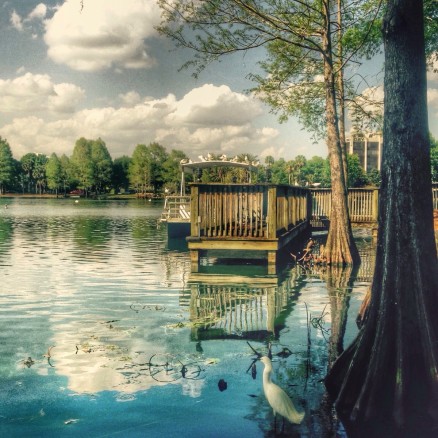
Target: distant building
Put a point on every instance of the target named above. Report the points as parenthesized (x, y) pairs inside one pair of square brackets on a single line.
[(368, 147)]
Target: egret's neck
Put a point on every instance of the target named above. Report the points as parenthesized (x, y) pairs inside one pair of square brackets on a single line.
[(267, 373)]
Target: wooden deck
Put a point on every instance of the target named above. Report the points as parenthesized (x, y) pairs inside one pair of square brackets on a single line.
[(255, 221), (246, 220)]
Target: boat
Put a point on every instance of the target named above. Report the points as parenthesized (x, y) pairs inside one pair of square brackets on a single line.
[(176, 212), (176, 215)]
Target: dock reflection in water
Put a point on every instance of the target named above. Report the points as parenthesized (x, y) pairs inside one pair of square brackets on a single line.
[(237, 306), (139, 342)]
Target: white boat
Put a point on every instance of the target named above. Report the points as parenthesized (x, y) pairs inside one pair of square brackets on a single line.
[(176, 213)]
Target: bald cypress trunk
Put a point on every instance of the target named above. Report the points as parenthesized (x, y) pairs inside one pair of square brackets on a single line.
[(386, 382), (340, 248)]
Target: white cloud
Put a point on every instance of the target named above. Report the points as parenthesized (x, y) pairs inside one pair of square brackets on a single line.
[(216, 106), (272, 151), (166, 120), (130, 99), (66, 98), (31, 93), (103, 35), (16, 21), (38, 13)]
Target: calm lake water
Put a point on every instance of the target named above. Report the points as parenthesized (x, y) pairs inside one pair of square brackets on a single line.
[(105, 332)]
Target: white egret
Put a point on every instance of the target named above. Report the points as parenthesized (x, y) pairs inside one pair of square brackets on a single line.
[(277, 398)]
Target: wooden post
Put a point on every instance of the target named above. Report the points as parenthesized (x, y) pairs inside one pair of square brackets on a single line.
[(194, 260), (272, 262), (194, 212), (376, 205), (272, 212)]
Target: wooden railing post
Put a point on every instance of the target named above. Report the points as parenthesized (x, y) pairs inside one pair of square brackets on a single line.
[(375, 205), (309, 205), (194, 211), (272, 213)]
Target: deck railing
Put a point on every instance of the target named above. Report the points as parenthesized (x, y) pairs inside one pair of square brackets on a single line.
[(362, 204), (246, 211), (176, 208)]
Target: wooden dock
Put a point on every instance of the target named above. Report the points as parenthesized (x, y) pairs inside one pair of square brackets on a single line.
[(246, 220), (256, 221)]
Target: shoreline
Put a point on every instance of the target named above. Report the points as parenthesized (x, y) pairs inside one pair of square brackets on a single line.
[(51, 196)]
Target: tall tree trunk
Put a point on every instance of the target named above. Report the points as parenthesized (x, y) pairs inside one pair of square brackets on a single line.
[(340, 247), (341, 91), (388, 378)]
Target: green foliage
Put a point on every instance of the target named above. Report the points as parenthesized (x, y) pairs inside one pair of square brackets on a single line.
[(294, 35), (356, 174), (6, 164), (54, 173), (120, 173), (157, 157), (316, 171), (374, 178), (28, 164), (172, 171), (39, 172), (82, 165), (434, 158), (66, 172), (140, 169), (431, 29), (102, 165), (151, 168), (58, 172)]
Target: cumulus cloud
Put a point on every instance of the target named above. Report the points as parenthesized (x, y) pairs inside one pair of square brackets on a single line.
[(36, 93), (16, 21), (166, 120), (103, 35), (215, 106), (38, 13), (66, 98), (131, 98)]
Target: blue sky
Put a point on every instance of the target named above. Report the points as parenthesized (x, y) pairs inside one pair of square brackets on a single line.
[(104, 72)]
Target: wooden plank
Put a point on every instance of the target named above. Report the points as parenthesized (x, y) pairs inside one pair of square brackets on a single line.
[(272, 212), (194, 212)]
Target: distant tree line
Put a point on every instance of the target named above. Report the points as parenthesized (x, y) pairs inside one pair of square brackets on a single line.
[(151, 169)]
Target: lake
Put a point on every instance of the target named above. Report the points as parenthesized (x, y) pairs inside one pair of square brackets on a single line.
[(106, 332)]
